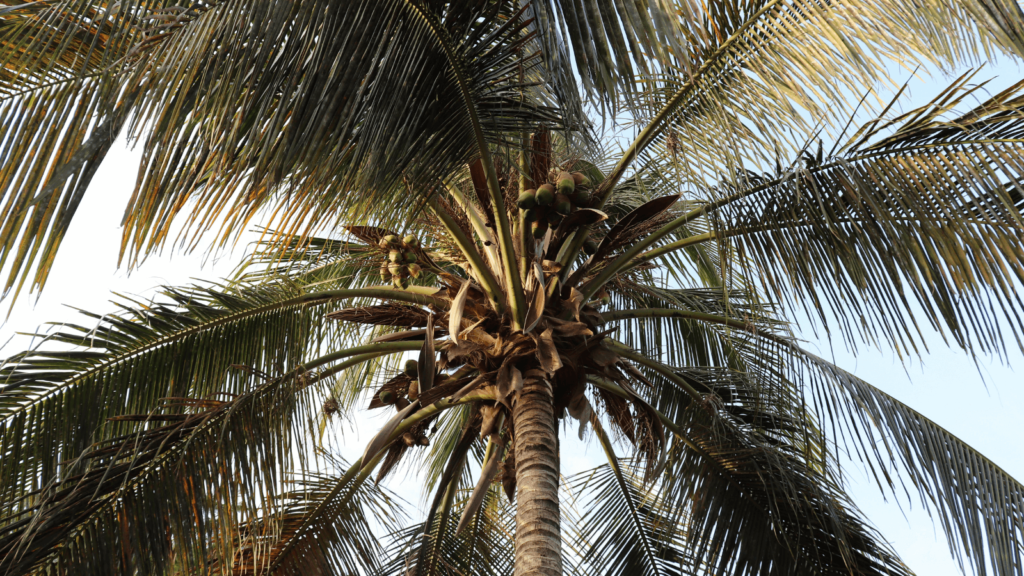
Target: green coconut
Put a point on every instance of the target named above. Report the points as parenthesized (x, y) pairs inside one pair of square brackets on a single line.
[(580, 179), (566, 183), (411, 241), (410, 257), (528, 199), (581, 198), (386, 396), (545, 194), (414, 270), (562, 204), (412, 368), (530, 215), (589, 246)]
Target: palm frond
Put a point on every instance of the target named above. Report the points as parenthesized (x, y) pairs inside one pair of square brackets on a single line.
[(649, 543), (762, 77), (227, 95), (162, 486), (487, 548), (372, 509), (979, 505), (196, 342), (919, 212)]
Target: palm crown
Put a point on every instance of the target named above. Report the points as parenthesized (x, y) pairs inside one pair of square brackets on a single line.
[(527, 279)]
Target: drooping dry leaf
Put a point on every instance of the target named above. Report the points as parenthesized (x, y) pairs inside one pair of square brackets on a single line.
[(456, 311), (547, 353)]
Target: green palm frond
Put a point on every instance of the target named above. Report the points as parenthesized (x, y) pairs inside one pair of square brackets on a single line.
[(922, 210), (226, 93), (485, 548), (759, 66), (979, 505), (649, 543), (371, 509), (198, 341)]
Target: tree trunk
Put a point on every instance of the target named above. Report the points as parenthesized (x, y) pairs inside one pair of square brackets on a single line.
[(538, 538)]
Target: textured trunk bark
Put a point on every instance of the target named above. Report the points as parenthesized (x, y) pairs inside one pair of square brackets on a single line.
[(538, 538)]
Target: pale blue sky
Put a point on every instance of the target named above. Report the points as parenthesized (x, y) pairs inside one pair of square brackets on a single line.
[(945, 385)]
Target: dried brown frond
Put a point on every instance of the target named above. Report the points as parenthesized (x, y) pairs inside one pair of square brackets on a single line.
[(383, 315)]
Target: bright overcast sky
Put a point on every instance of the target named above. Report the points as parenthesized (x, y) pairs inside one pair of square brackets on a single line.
[(983, 406)]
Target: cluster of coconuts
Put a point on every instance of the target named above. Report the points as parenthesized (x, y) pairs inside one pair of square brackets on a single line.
[(400, 264), (549, 203)]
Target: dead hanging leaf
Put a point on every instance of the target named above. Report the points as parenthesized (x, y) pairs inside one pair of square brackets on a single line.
[(473, 385), (508, 474), (464, 348), (582, 217), (632, 370), (456, 311), (490, 413), (635, 218), (393, 457), (427, 358), (570, 329), (547, 353), (580, 409), (574, 302), (381, 439), (536, 311), (483, 483), (509, 381), (481, 337)]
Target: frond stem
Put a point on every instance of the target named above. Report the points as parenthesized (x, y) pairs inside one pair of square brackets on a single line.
[(516, 297), (468, 248)]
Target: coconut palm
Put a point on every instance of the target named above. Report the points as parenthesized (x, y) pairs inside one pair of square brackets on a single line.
[(436, 195)]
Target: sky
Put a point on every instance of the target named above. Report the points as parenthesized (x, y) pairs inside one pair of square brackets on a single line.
[(981, 403)]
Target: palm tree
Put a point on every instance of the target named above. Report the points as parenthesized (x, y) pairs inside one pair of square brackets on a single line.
[(441, 148)]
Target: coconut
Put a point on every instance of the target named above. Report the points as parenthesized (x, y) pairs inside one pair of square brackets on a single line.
[(414, 270), (395, 256), (410, 257), (562, 204), (395, 268), (411, 241), (391, 240), (566, 183), (423, 441), (412, 368), (581, 198), (409, 439), (589, 246), (386, 396), (580, 179), (545, 194), (539, 227), (530, 215), (527, 199)]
